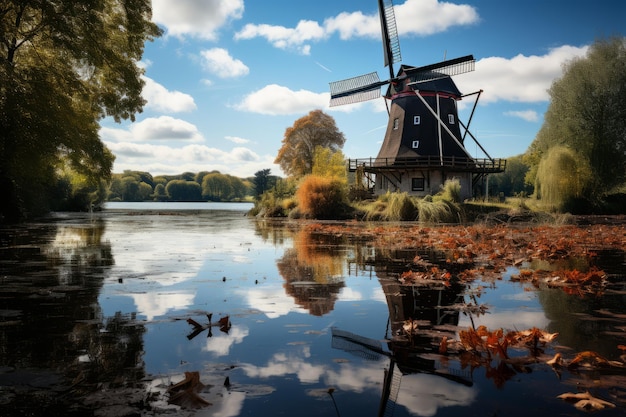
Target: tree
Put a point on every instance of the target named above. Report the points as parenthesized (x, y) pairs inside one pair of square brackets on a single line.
[(587, 114), (263, 181), (327, 163), (182, 190), (562, 179), (296, 154), (64, 65), (512, 181)]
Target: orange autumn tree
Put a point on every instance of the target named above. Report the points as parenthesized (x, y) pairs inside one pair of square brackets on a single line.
[(317, 129)]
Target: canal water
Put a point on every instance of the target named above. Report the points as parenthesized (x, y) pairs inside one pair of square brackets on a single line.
[(104, 313)]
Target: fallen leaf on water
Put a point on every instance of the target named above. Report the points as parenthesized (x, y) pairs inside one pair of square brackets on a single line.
[(586, 401), (185, 392), (556, 361)]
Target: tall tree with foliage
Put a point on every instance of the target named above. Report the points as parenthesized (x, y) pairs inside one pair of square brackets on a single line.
[(296, 154), (587, 114), (64, 65)]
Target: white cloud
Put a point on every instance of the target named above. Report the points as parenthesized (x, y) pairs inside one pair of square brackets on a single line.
[(354, 25), (519, 79), (285, 38), (164, 159), (528, 115), (155, 128), (426, 17), (414, 17), (275, 99), (197, 18), (237, 140), (162, 100), (219, 62)]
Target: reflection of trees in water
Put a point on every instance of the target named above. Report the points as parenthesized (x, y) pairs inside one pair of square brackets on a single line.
[(111, 353), (314, 271), (274, 231), (579, 320), (51, 320)]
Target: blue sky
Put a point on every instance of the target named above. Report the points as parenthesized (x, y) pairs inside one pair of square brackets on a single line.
[(229, 76)]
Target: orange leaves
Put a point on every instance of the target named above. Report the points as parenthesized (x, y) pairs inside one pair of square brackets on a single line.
[(497, 342), (433, 275), (586, 401)]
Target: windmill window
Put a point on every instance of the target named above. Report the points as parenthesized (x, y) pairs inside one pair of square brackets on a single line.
[(451, 119), (396, 123), (416, 120), (416, 144), (417, 184)]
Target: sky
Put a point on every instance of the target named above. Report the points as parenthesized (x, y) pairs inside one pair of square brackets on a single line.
[(228, 77)]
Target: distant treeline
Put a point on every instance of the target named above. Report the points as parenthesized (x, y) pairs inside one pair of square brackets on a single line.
[(188, 186)]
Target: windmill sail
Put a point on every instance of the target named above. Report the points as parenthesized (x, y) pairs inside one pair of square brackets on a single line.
[(356, 89), (391, 43), (441, 69)]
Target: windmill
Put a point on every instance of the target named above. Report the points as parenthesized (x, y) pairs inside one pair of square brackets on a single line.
[(423, 145)]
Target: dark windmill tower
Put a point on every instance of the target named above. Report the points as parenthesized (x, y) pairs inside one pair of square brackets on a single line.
[(424, 143)]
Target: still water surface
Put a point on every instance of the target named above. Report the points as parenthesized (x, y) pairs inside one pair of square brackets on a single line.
[(291, 324)]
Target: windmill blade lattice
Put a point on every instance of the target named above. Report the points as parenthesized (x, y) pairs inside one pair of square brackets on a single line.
[(442, 69), (356, 89), (391, 43)]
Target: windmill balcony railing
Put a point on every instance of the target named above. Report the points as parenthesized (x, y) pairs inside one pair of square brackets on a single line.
[(485, 165)]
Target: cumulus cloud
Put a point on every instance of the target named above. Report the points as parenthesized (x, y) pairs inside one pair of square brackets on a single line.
[(519, 79), (162, 100), (219, 62), (237, 140), (161, 158), (275, 99), (197, 18), (414, 17), (285, 38), (154, 128), (426, 17), (528, 115)]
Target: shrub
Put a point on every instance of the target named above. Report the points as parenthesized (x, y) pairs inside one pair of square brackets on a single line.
[(401, 207), (321, 197)]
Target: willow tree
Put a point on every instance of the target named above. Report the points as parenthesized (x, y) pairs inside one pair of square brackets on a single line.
[(563, 178), (297, 152), (64, 65), (587, 114)]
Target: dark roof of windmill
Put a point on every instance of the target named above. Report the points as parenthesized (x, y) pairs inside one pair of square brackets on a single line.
[(434, 81)]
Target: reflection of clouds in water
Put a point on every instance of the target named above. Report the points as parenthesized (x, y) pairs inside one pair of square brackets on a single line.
[(230, 406), (170, 255), (349, 294), (152, 305), (366, 376), (424, 394), (421, 394), (508, 319), (282, 364), (220, 343), (271, 301), (348, 377)]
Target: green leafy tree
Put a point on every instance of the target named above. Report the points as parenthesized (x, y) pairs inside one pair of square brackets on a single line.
[(182, 190), (327, 163), (64, 65), (159, 192), (296, 154), (263, 181), (512, 181), (563, 178), (587, 114)]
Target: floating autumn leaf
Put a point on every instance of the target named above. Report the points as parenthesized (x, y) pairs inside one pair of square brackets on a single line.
[(592, 359), (556, 361), (185, 392), (586, 401)]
